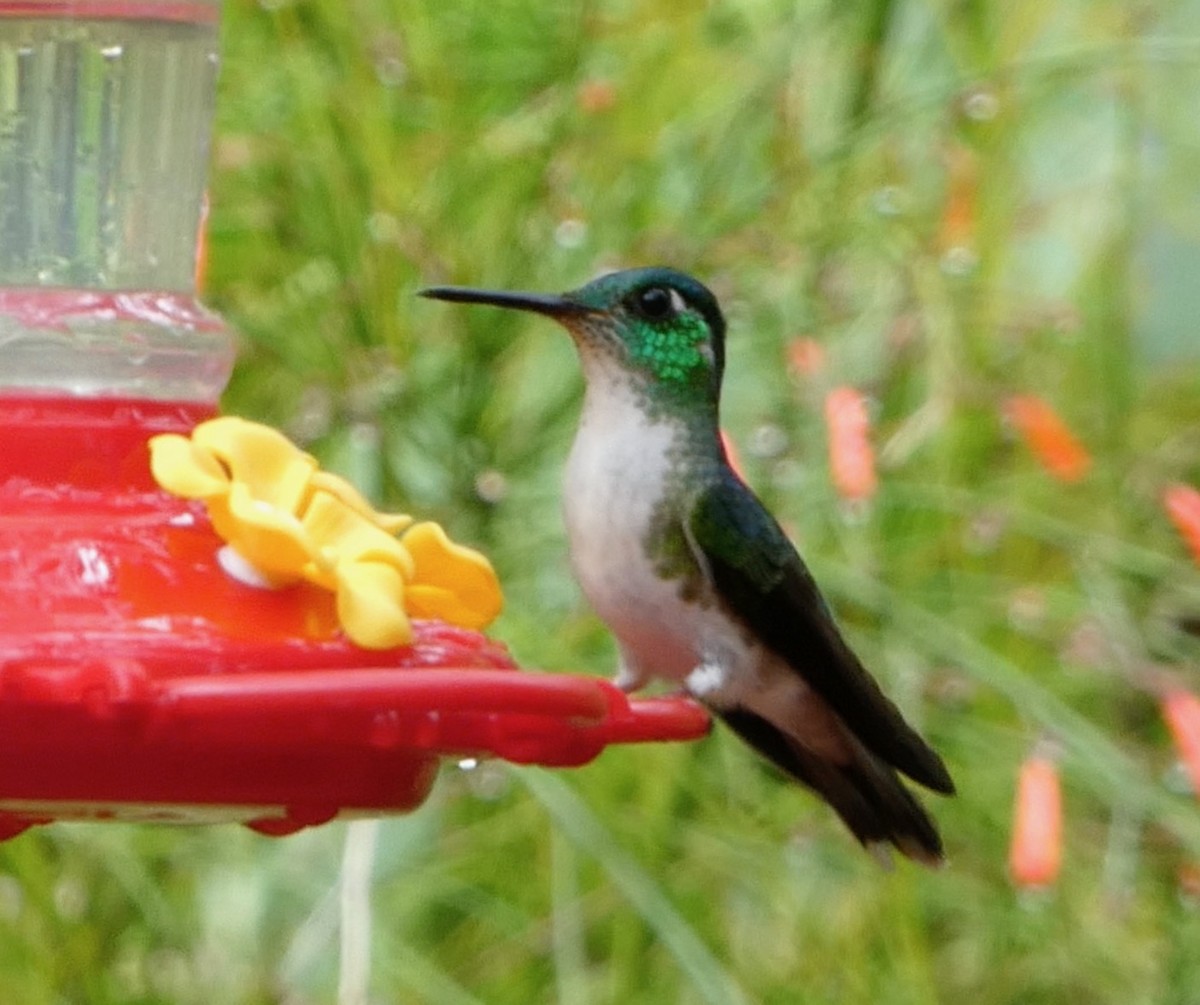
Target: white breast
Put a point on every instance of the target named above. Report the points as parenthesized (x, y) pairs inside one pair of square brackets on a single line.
[(615, 478)]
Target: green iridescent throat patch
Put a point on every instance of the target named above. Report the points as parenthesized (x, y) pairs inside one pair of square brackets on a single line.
[(672, 353)]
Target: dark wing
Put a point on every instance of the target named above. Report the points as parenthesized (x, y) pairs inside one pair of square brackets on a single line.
[(865, 792), (766, 585)]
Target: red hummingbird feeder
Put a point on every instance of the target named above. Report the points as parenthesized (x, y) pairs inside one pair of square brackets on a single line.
[(139, 680)]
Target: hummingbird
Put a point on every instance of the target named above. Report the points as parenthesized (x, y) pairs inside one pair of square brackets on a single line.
[(695, 579)]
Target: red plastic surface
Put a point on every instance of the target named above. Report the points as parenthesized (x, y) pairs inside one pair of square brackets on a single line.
[(138, 681)]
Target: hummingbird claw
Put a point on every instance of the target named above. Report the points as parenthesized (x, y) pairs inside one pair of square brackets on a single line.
[(707, 682)]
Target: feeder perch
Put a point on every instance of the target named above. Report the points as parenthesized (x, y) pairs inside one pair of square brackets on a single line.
[(138, 680)]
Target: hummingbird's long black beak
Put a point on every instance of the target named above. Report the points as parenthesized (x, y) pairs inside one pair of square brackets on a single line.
[(540, 303)]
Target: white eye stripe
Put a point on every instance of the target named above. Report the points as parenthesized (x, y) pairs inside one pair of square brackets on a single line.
[(678, 304)]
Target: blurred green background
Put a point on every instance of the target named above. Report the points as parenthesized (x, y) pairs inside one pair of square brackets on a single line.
[(960, 201)]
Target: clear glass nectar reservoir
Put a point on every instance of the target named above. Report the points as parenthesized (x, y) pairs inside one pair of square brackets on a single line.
[(105, 124)]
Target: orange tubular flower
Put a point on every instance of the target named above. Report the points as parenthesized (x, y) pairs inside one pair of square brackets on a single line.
[(1183, 507), (1054, 445), (851, 458), (1181, 710), (1035, 855), (957, 228)]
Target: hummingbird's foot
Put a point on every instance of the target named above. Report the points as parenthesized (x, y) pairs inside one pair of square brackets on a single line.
[(709, 683)]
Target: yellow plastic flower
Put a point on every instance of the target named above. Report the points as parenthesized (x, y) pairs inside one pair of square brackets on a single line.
[(285, 520)]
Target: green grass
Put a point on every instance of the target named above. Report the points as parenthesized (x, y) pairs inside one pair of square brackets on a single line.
[(799, 159)]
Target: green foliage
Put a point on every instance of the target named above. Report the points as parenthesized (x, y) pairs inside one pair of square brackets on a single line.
[(959, 202)]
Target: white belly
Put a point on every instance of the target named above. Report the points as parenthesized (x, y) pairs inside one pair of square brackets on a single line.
[(615, 479)]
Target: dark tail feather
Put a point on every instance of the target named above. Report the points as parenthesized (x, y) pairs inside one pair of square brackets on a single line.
[(865, 793)]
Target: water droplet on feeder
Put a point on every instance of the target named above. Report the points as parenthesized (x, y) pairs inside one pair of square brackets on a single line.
[(93, 567)]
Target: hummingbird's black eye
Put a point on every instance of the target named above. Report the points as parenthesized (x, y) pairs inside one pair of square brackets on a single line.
[(654, 303)]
